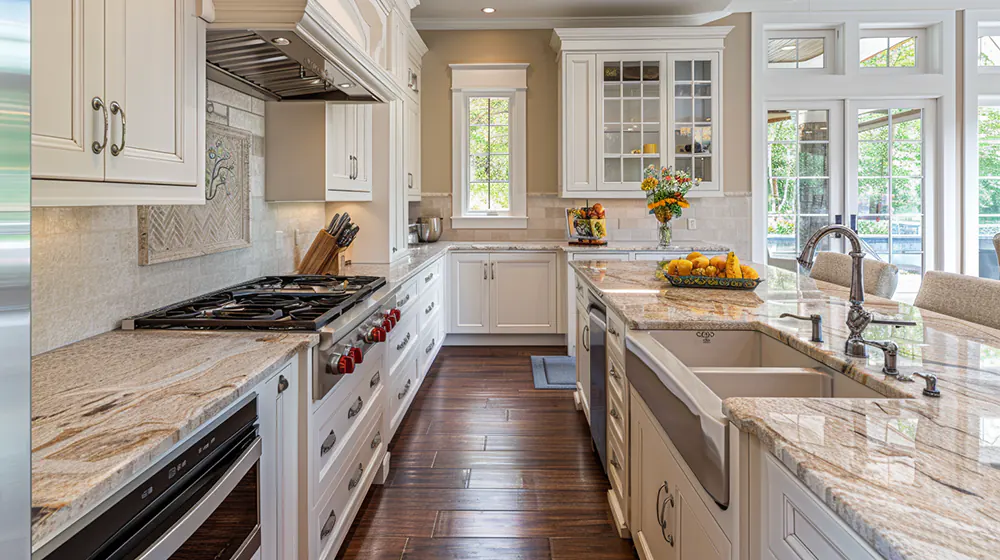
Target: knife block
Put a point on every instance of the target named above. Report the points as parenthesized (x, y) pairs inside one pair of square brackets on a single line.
[(321, 258)]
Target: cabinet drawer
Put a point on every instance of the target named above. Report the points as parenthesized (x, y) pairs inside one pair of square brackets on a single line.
[(430, 302), (434, 334), (331, 518), (332, 433), (616, 336), (404, 386), (617, 418), (402, 337), (430, 275), (616, 379), (800, 526), (617, 471), (406, 297), (581, 290)]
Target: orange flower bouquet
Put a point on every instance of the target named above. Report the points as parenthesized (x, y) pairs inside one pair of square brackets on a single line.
[(666, 191)]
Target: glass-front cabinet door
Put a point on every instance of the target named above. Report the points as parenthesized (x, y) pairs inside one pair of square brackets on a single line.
[(630, 117), (694, 117)]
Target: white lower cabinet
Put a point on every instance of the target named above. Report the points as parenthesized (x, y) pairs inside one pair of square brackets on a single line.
[(514, 292), (583, 357), (277, 411), (669, 520)]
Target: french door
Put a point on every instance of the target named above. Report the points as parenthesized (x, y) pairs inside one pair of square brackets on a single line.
[(890, 160)]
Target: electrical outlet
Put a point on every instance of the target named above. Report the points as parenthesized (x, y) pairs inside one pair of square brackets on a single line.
[(692, 223)]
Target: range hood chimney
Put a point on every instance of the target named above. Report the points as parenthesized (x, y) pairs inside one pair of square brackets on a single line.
[(290, 50)]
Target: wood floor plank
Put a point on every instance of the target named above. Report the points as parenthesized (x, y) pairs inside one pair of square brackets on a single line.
[(476, 549), (523, 524), (486, 466)]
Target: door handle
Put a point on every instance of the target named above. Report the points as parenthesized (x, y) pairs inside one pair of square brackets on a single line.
[(115, 109), (486, 271), (586, 335), (98, 104), (493, 271)]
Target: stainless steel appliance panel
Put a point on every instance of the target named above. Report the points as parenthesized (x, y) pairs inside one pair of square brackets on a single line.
[(598, 380)]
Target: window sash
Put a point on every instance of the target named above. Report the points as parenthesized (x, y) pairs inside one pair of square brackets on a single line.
[(489, 181)]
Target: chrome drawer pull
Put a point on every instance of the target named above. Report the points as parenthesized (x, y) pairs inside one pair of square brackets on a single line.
[(354, 410), (428, 278), (375, 379), (406, 389), (615, 463), (356, 478), (328, 443), (429, 308), (331, 522), (377, 440), (429, 347), (615, 415), (116, 149), (405, 300), (661, 511), (406, 340), (614, 373), (612, 330), (98, 104)]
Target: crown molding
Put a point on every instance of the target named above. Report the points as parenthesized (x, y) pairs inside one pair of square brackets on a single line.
[(611, 38), (481, 23)]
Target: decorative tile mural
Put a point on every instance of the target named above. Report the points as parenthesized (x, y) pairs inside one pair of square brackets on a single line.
[(170, 233)]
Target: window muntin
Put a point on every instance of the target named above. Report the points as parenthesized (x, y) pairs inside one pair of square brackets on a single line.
[(798, 150), (989, 188), (889, 212), (489, 154), (796, 52), (989, 50), (898, 51)]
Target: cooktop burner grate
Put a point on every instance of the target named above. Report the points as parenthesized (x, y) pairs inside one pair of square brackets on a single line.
[(304, 303)]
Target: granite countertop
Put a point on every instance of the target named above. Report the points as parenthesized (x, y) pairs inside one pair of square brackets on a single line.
[(106, 408), (915, 477)]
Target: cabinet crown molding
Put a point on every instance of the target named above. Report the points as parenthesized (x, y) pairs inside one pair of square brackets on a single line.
[(640, 38)]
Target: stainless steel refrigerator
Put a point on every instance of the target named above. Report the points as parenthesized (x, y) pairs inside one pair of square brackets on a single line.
[(15, 279)]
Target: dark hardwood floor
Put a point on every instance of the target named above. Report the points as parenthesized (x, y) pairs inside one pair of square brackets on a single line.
[(485, 466)]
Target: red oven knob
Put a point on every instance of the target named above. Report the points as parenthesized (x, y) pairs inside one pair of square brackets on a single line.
[(394, 313), (340, 364), (356, 354), (388, 324), (377, 334)]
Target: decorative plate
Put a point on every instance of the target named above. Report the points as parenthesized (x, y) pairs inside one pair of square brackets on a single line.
[(709, 282)]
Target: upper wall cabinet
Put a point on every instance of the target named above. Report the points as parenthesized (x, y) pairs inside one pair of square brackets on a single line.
[(118, 103), (631, 98), (406, 52)]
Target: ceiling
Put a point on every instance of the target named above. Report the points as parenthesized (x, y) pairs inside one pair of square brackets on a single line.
[(558, 10)]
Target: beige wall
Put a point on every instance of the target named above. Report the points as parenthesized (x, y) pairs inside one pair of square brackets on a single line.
[(453, 47), (532, 46)]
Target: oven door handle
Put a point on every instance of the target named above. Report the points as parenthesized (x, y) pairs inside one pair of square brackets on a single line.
[(176, 536)]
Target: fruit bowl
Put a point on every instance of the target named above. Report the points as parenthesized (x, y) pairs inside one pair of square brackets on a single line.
[(709, 282)]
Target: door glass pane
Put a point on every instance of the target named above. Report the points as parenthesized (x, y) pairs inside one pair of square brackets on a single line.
[(632, 119), (890, 189), (989, 50), (989, 189), (798, 178)]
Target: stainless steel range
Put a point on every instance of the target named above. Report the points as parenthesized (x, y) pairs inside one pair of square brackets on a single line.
[(351, 314)]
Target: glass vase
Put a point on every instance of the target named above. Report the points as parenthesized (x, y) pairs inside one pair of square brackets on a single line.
[(666, 234)]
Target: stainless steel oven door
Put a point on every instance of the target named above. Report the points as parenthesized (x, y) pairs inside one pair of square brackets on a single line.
[(224, 524)]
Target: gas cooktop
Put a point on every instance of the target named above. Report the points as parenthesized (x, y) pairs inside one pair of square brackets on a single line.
[(303, 303)]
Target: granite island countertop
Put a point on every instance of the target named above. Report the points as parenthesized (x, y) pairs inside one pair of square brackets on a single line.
[(106, 408), (915, 477)]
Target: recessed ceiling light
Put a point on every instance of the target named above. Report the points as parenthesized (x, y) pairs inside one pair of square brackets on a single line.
[(345, 85), (489, 10), (280, 41)]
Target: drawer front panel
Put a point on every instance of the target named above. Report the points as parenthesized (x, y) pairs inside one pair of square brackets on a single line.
[(331, 435), (617, 418), (434, 334), (331, 517), (617, 471), (616, 379), (402, 337), (406, 297), (616, 336), (429, 304), (430, 276), (581, 290)]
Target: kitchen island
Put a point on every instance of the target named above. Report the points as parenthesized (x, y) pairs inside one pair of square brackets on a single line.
[(911, 475)]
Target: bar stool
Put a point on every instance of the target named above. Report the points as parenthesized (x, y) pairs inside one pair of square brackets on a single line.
[(964, 297), (881, 278)]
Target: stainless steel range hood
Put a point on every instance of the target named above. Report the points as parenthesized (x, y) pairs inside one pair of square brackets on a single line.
[(290, 50)]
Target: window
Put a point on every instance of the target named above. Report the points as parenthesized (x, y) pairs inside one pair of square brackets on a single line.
[(805, 52), (489, 154), (989, 189), (989, 50), (798, 152), (898, 51), (489, 106)]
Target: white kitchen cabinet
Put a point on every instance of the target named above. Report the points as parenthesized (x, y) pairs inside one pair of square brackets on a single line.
[(669, 520), (411, 151), (469, 304), (118, 99), (631, 98), (583, 357), (523, 293), (318, 151), (514, 292), (278, 419)]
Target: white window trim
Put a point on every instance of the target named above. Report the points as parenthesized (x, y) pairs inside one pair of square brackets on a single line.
[(993, 29), (496, 80), (923, 50), (829, 37)]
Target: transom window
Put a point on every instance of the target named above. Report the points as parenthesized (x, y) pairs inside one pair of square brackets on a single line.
[(489, 154), (897, 51), (798, 52), (989, 50)]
